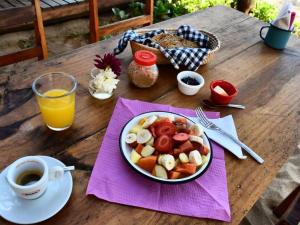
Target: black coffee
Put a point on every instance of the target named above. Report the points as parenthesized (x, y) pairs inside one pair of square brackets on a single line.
[(29, 177)]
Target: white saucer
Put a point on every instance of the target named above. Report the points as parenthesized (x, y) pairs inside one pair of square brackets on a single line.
[(22, 211)]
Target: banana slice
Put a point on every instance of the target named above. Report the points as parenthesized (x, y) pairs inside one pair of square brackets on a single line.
[(147, 151), (196, 130), (130, 138), (197, 139), (183, 158), (143, 136), (195, 157), (159, 158), (204, 159), (160, 172), (149, 121), (150, 142), (168, 161), (136, 129), (134, 156)]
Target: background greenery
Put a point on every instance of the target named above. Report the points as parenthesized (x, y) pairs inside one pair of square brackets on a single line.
[(166, 9)]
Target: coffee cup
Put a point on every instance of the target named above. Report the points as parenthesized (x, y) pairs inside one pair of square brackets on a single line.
[(29, 176), (276, 37)]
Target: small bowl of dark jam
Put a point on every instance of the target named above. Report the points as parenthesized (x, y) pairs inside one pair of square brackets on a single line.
[(189, 82)]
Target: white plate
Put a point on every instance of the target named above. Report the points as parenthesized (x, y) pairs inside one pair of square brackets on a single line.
[(23, 211), (126, 150)]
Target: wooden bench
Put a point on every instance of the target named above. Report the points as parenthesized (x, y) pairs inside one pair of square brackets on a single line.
[(24, 15), (97, 32), (54, 10)]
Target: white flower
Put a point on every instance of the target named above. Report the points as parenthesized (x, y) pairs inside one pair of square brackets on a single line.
[(105, 81)]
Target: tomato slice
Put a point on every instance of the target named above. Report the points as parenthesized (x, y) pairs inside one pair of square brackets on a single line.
[(165, 128), (163, 144), (181, 137)]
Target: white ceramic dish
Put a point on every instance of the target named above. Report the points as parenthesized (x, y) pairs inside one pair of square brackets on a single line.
[(189, 89), (24, 211), (126, 150)]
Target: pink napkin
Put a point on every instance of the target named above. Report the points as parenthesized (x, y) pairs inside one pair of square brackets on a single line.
[(113, 180)]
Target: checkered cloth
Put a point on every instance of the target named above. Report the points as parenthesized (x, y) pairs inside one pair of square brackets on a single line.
[(190, 57)]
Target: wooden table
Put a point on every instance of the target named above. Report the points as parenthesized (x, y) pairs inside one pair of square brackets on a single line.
[(268, 83)]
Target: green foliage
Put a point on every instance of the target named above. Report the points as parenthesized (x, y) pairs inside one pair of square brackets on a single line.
[(136, 8), (264, 11), (120, 14), (297, 28), (194, 5), (166, 9)]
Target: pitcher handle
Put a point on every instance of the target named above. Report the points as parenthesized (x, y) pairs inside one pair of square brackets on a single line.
[(260, 33)]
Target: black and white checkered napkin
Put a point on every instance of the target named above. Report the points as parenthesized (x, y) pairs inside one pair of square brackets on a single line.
[(190, 57)]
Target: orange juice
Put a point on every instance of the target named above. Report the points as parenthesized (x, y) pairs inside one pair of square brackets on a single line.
[(57, 113)]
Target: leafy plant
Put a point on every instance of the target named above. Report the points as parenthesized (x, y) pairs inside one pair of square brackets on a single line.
[(166, 9), (120, 14), (136, 8), (297, 28), (265, 11)]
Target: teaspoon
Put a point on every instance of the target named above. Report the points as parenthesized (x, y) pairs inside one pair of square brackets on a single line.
[(212, 105)]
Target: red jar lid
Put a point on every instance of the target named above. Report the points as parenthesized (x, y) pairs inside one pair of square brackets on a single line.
[(145, 58)]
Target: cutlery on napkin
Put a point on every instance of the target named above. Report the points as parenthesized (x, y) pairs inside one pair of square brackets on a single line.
[(225, 123), (285, 18)]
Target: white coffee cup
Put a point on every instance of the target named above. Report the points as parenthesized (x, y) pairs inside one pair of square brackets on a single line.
[(29, 163)]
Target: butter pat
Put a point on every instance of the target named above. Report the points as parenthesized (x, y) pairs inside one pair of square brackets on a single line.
[(220, 91)]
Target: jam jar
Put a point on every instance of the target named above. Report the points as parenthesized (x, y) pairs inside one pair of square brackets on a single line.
[(142, 71)]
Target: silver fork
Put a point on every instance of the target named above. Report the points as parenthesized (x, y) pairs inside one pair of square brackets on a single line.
[(210, 125)]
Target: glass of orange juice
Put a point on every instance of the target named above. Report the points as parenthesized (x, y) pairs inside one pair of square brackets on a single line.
[(55, 93)]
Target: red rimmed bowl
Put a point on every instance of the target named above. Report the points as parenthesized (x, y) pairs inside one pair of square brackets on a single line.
[(229, 88)]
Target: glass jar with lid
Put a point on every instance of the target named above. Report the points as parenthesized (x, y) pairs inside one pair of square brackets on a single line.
[(142, 71)]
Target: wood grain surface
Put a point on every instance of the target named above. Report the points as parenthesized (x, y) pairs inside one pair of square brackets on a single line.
[(268, 83)]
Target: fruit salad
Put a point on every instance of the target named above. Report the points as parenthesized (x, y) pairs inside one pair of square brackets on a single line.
[(167, 146)]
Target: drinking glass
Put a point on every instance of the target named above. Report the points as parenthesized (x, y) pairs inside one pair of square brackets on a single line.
[(55, 93)]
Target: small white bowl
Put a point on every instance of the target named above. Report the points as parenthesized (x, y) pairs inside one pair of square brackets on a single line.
[(189, 89)]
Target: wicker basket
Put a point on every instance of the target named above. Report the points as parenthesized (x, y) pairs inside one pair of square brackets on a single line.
[(213, 44)]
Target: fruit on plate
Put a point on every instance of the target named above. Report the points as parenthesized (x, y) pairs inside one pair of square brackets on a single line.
[(181, 137), (169, 116), (167, 161), (151, 141), (167, 146), (197, 139), (160, 172), (135, 129), (196, 130), (186, 146), (149, 121), (195, 157), (174, 175), (186, 168), (163, 144), (147, 163), (183, 158), (131, 140), (143, 136), (165, 128), (139, 148), (134, 156), (204, 150), (147, 151)]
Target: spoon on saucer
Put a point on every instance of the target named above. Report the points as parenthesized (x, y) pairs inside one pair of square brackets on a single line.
[(212, 105)]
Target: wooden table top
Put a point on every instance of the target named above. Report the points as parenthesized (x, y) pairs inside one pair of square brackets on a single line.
[(268, 83)]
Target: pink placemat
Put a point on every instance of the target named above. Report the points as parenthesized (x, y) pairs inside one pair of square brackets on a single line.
[(113, 180)]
